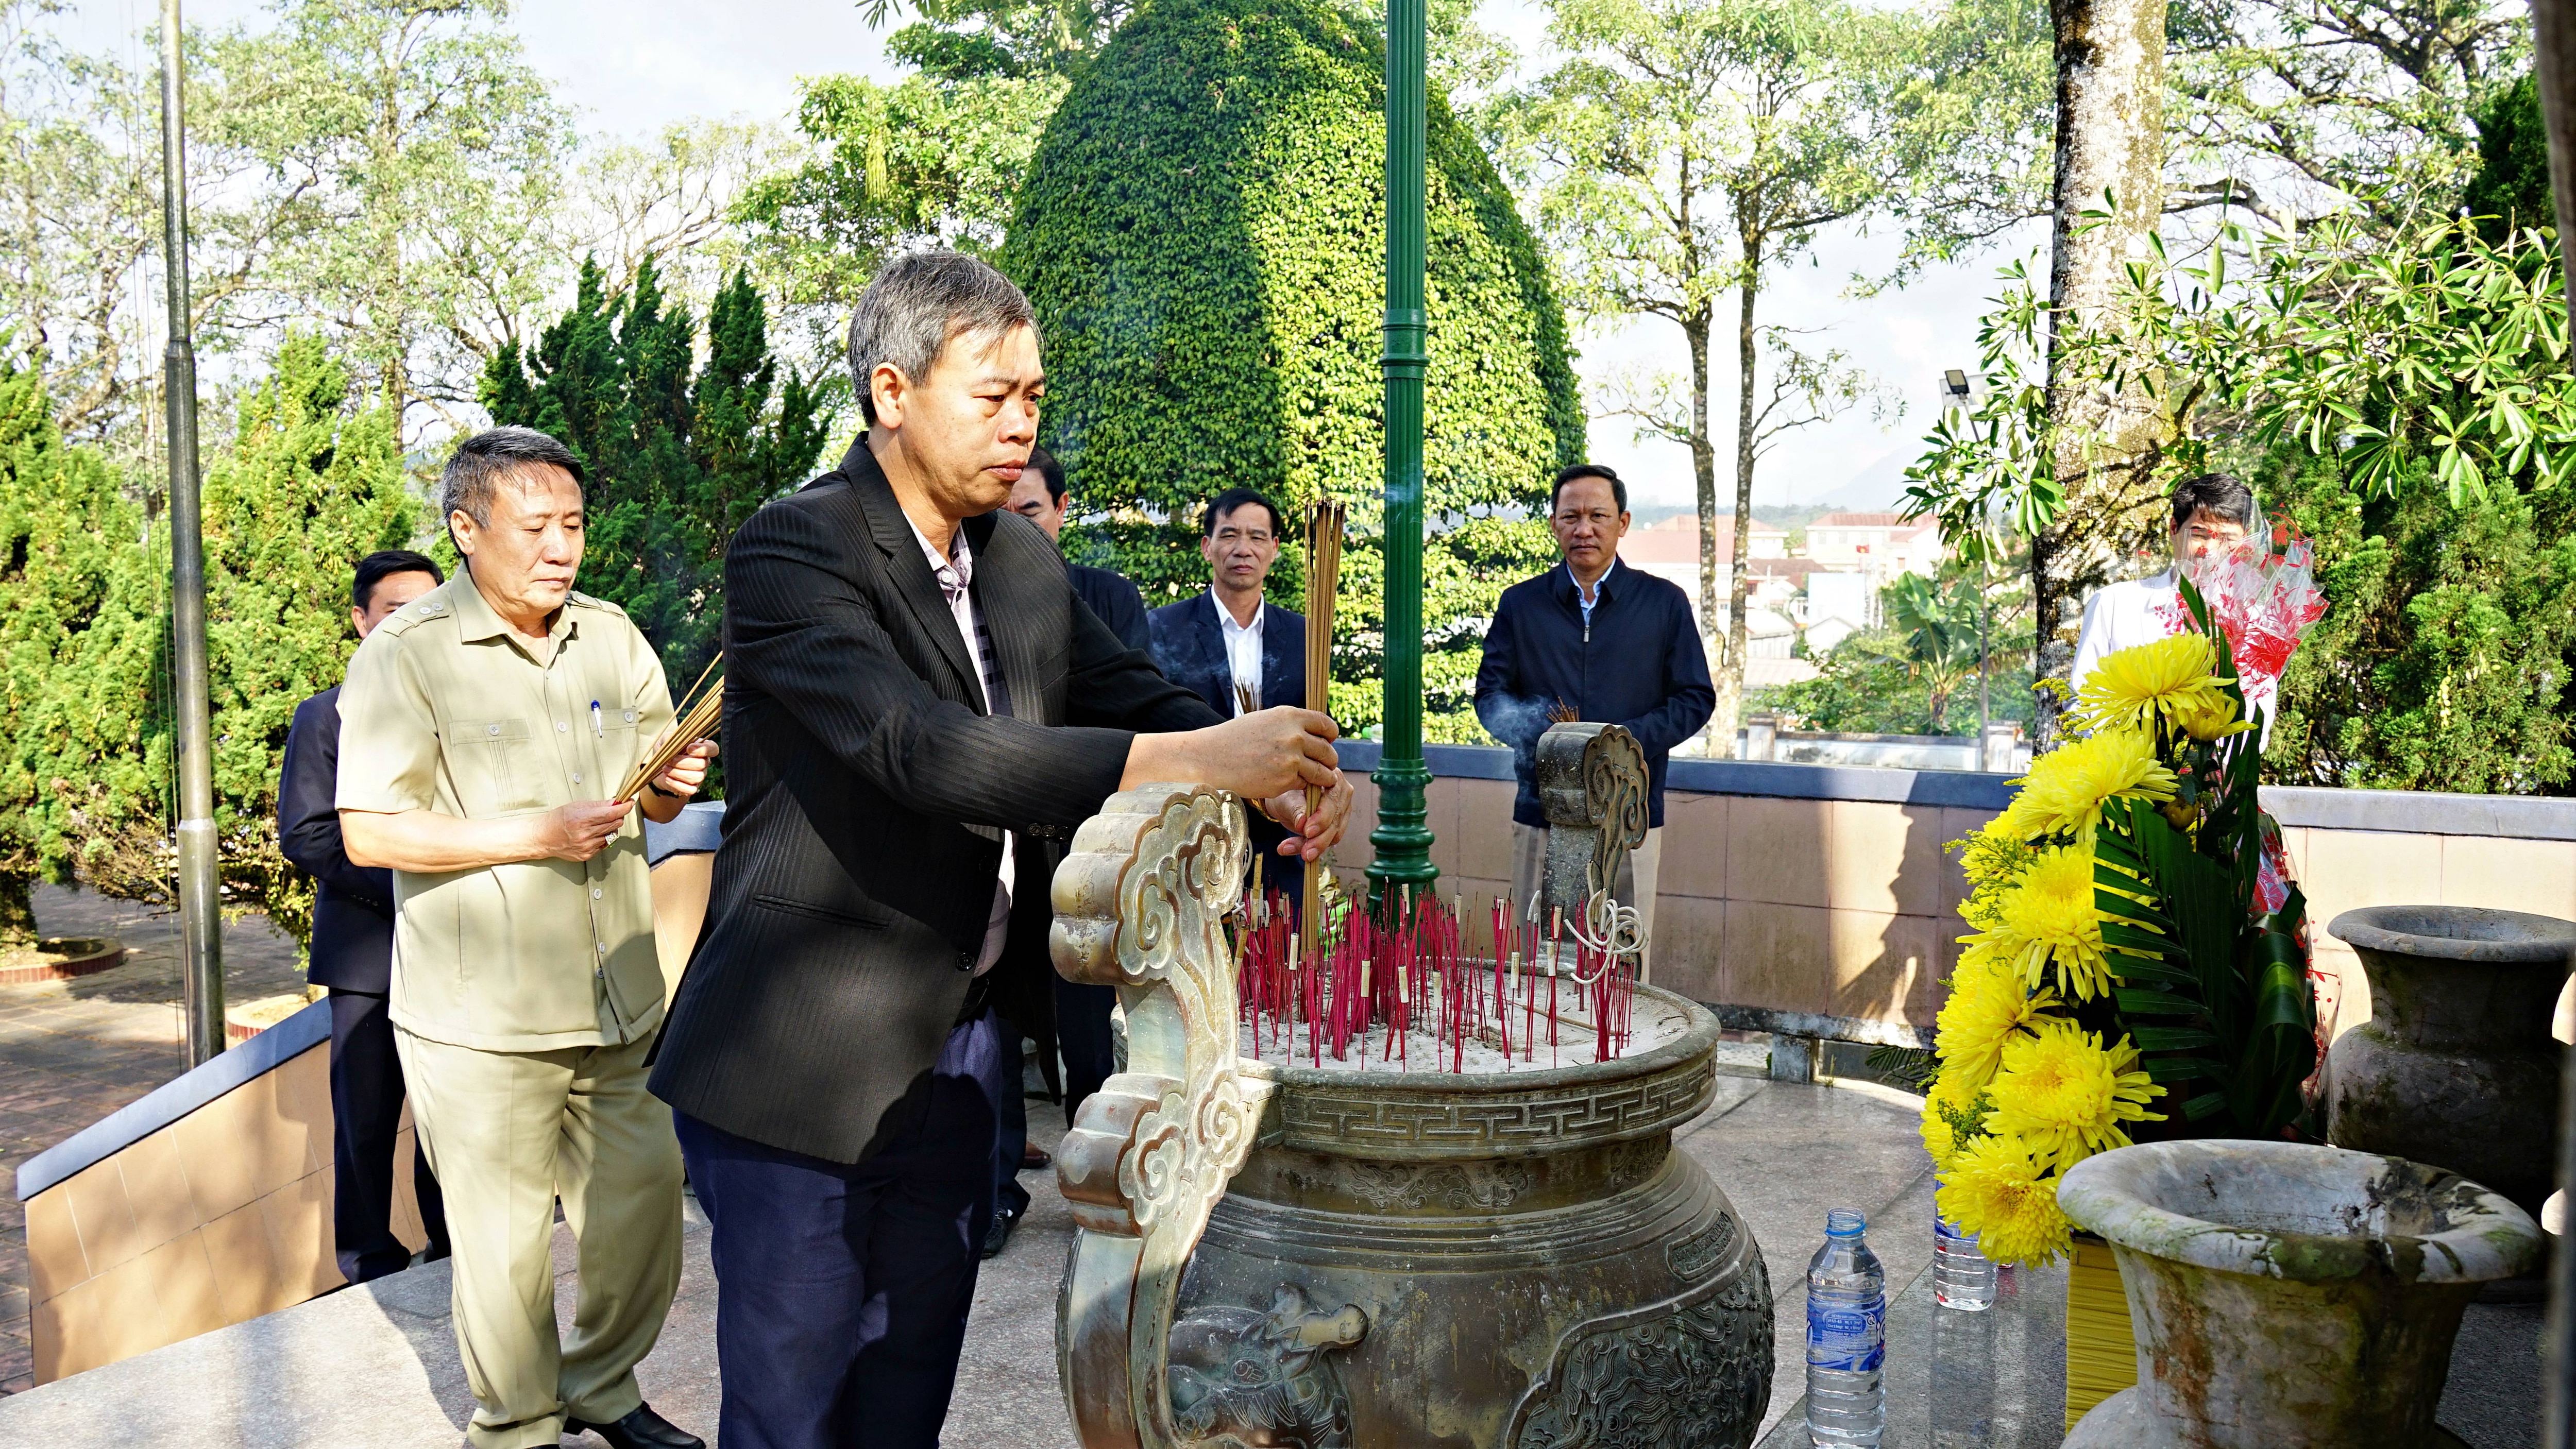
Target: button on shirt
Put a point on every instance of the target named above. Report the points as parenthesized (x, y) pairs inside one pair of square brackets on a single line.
[(955, 571), (446, 709), (1242, 650)]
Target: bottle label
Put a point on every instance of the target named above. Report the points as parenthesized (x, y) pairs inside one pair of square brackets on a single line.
[(1948, 1232), (1847, 1336)]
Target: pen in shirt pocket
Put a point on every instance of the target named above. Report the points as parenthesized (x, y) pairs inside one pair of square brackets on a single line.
[(595, 726)]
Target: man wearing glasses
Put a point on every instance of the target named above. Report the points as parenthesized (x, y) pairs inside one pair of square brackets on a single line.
[(1235, 650), (1592, 640)]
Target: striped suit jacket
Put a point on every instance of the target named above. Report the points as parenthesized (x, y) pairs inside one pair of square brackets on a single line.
[(866, 789)]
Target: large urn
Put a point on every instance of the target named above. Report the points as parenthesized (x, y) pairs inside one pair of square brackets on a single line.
[(2456, 1066), (1536, 1265), (1299, 1257), (2288, 1296)]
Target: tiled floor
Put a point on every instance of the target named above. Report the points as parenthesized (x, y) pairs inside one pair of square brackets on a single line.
[(71, 1052)]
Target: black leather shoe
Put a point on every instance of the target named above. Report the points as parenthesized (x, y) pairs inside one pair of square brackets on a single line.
[(998, 1236), (642, 1429)]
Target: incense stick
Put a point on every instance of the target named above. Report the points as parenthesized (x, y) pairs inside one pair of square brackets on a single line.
[(697, 722), (1323, 581)]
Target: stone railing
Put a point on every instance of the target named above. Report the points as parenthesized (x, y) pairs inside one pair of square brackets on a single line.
[(1818, 900)]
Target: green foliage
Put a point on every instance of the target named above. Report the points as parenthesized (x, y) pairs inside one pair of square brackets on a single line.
[(312, 483), (2511, 187), (63, 532), (2445, 657), (1203, 236), (932, 158), (676, 463)]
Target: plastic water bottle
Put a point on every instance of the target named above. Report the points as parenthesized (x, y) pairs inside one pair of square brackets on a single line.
[(1962, 1275), (1846, 1337)]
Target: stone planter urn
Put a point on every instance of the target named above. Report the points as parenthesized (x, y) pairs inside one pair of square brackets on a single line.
[(2456, 1066), (2286, 1296)]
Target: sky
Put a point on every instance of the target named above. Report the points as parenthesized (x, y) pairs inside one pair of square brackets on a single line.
[(634, 66)]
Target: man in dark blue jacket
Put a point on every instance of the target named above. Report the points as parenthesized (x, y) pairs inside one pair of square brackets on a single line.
[(1601, 641), (352, 954)]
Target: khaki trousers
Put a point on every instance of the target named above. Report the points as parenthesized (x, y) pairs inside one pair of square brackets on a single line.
[(1635, 886), (510, 1133)]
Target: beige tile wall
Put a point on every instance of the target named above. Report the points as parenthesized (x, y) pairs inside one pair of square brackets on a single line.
[(1850, 907), (222, 1216)]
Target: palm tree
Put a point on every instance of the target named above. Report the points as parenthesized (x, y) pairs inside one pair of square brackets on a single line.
[(1937, 635)]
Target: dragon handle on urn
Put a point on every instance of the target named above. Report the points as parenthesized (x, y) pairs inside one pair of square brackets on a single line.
[(1140, 904)]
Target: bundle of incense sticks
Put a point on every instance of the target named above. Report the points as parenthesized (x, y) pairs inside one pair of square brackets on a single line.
[(1323, 581), (1411, 971), (697, 722)]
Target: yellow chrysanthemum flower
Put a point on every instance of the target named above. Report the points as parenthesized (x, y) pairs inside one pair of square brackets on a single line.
[(2169, 678), (2066, 787), (1988, 1002), (2063, 1095), (2048, 918), (1994, 1190), (1939, 1138), (2215, 720)]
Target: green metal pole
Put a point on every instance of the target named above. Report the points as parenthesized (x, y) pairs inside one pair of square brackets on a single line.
[(1402, 839), (201, 933)]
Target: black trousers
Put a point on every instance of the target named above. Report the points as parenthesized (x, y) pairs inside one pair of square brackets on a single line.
[(842, 1289), (366, 1113), (1010, 1118), (1082, 1036)]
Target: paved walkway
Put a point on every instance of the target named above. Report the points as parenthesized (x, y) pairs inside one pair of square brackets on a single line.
[(71, 1052), (376, 1365)]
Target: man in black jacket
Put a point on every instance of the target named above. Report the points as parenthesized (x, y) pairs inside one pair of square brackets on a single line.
[(352, 954), (1605, 642), (912, 692), (1041, 497)]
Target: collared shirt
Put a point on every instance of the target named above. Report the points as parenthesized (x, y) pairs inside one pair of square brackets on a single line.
[(2142, 611), (955, 571), (1242, 650), (1591, 597), (447, 709)]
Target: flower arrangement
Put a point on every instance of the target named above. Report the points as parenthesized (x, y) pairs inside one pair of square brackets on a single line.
[(2138, 962)]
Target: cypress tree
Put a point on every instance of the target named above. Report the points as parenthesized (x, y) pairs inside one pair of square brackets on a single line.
[(63, 528), (312, 482), (1203, 234), (677, 459)]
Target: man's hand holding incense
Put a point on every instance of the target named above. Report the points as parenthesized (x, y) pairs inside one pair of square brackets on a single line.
[(1273, 756), (1311, 835), (666, 792)]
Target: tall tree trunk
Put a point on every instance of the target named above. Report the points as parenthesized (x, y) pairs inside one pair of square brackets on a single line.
[(2110, 137), (17, 911), (1730, 682), (1704, 480)]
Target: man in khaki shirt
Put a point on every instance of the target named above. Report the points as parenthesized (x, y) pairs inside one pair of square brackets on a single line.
[(482, 725)]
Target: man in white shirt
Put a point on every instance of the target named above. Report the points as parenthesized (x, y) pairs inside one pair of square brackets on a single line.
[(2212, 513)]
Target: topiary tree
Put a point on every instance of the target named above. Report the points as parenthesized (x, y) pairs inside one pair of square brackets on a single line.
[(63, 527), (312, 482), (1203, 234)]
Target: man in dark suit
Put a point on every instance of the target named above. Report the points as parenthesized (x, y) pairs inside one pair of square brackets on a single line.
[(913, 694), (1229, 646), (1042, 498), (1080, 1009), (352, 954)]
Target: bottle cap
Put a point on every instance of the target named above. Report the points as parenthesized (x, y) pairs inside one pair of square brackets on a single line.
[(1845, 1223)]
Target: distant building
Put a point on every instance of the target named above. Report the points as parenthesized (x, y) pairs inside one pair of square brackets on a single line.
[(1840, 603), (1670, 550), (1881, 545)]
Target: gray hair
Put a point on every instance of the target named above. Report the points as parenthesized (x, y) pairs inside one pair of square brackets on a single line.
[(921, 302), (482, 461)]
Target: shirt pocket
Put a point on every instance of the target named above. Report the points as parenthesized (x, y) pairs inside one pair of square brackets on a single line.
[(500, 760), (621, 749)]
